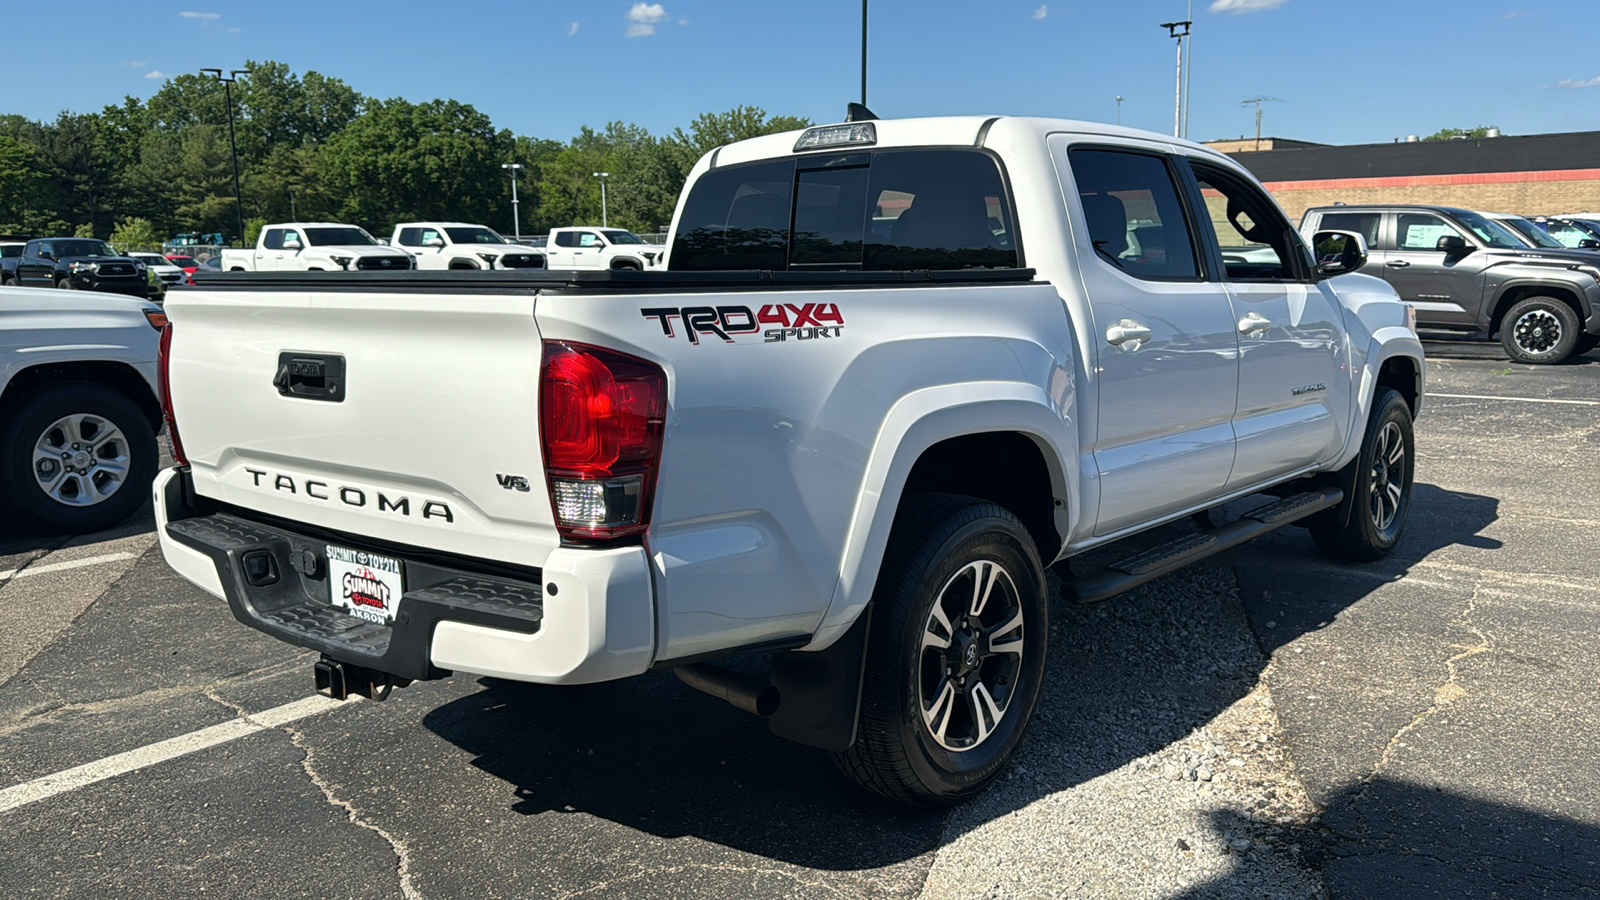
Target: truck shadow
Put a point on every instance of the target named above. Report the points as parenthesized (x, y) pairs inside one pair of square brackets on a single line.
[(1127, 678)]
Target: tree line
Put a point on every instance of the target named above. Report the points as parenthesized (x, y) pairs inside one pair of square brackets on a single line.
[(311, 147)]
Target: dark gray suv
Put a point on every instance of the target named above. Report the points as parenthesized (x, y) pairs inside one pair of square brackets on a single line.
[(1468, 277)]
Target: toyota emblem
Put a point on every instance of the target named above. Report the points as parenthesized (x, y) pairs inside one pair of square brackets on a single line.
[(387, 263)]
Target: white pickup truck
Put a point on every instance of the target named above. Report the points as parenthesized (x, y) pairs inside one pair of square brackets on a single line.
[(895, 370), (315, 247), (601, 248), (462, 245), (78, 407)]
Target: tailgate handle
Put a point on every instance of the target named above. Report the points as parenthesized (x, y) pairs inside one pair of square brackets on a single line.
[(310, 376)]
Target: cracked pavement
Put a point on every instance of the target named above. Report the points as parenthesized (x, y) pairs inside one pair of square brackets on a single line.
[(1266, 724)]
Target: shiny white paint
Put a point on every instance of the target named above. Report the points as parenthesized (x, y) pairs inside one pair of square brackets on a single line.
[(40, 326), (784, 462), (601, 254), (310, 256), (442, 256)]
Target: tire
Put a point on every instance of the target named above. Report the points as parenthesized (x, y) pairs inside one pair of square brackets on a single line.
[(1540, 331), (66, 284), (1586, 343), (626, 267), (1367, 524), (921, 738), (97, 499)]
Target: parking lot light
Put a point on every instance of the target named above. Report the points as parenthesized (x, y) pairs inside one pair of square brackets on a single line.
[(516, 216), (604, 223), (233, 147)]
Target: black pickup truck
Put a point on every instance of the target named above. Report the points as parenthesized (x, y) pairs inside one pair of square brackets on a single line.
[(83, 264)]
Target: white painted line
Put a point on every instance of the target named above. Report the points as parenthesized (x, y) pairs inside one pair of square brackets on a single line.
[(64, 566), (122, 763), (1517, 399)]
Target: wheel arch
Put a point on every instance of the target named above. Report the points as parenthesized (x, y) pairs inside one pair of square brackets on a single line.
[(923, 438), (119, 376), (1517, 291), (461, 262), (1394, 359)]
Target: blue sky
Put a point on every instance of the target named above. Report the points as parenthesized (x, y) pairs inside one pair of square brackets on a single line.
[(1347, 71)]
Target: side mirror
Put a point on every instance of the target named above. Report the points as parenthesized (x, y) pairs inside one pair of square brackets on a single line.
[(1339, 252), (291, 243), (1453, 244), (1589, 244), (434, 241)]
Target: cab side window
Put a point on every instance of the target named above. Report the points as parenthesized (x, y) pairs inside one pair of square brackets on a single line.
[(1364, 224), (1136, 221), (1257, 243), (272, 239), (585, 239), (1420, 231), (567, 239), (431, 234), (411, 237)]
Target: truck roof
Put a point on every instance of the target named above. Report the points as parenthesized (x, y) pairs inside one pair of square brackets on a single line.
[(946, 131), (310, 225), (441, 224)]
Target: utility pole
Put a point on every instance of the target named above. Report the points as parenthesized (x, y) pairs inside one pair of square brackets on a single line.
[(1258, 101), (863, 52), (604, 222), (1188, 67), (1173, 31), (227, 91), (516, 214), (293, 216)]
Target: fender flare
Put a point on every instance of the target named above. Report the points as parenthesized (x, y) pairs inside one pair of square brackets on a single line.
[(1542, 278), (1388, 342), (462, 259), (915, 423)]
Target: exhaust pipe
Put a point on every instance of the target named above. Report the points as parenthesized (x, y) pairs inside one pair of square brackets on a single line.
[(747, 692)]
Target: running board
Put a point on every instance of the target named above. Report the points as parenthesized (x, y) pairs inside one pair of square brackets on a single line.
[(1157, 561)]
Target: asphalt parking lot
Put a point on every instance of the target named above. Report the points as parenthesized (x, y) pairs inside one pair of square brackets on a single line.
[(1266, 724)]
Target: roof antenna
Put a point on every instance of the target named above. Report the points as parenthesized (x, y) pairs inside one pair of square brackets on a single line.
[(855, 112)]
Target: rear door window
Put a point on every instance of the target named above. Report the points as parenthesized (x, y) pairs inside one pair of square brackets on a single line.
[(1136, 221), (1419, 231), (1364, 224), (272, 239), (875, 211)]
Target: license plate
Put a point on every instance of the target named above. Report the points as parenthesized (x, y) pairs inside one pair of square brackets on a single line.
[(366, 584)]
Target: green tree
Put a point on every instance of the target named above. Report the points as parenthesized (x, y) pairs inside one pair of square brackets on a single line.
[(85, 230), (20, 180), (1445, 134), (135, 234)]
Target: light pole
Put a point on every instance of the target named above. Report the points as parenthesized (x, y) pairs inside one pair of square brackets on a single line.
[(516, 214), (604, 222), (227, 90), (1119, 109), (1188, 67), (1177, 105)]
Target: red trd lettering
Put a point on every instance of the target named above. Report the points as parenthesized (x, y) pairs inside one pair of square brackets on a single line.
[(773, 315), (829, 312)]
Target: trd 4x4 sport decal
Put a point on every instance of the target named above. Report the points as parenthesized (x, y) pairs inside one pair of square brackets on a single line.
[(801, 322)]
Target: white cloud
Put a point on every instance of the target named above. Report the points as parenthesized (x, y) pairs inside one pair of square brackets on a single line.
[(1578, 83), (1240, 7), (644, 17), (136, 64), (155, 73), (201, 16), (1041, 12), (572, 28), (684, 20)]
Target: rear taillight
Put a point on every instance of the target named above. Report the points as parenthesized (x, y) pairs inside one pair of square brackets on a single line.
[(164, 381), (600, 422)]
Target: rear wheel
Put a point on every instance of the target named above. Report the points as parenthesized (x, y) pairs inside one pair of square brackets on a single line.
[(76, 457), (1366, 525), (1540, 331), (66, 284), (960, 627)]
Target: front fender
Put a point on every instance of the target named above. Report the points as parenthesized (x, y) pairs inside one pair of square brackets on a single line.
[(1384, 343), (917, 422)]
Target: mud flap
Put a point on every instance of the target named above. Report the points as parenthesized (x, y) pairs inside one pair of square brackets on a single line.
[(821, 691)]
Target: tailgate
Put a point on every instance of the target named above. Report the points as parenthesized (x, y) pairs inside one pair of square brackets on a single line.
[(431, 440)]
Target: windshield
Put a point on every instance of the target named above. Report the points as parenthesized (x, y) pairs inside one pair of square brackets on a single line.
[(622, 237), (1539, 236), (150, 259), (339, 237), (65, 249), (1492, 233), (474, 235)]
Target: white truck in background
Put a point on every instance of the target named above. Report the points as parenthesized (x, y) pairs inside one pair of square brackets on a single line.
[(315, 247), (586, 247), (462, 245)]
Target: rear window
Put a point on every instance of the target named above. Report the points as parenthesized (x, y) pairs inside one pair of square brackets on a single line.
[(10, 250), (877, 211)]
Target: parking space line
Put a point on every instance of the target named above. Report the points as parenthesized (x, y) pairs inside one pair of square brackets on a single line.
[(77, 777), (47, 568), (1518, 399)]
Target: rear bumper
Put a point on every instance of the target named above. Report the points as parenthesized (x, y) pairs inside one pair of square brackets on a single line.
[(597, 623)]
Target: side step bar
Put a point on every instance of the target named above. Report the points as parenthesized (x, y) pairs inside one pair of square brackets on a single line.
[(1157, 561)]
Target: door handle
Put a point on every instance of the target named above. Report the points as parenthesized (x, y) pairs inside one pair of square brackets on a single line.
[(1127, 335), (1398, 264), (1254, 324)]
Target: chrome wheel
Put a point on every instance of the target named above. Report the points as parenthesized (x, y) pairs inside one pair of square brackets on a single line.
[(81, 460), (1388, 476), (971, 655), (1537, 331)]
